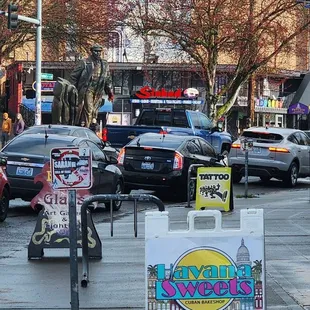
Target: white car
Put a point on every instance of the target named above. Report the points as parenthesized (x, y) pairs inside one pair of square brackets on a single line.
[(280, 153)]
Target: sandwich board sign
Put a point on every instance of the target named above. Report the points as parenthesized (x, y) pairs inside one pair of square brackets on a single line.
[(214, 188), (71, 168), (197, 269)]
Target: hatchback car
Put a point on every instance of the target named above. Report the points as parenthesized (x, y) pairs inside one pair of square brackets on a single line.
[(280, 153), (27, 154), (76, 131), (4, 191), (160, 162)]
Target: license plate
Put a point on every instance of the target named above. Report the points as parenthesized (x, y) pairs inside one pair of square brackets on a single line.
[(24, 171), (147, 166)]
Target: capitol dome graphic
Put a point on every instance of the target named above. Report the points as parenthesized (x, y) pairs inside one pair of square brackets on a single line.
[(243, 255)]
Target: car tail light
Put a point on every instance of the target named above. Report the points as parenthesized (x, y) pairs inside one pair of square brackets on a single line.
[(104, 134), (178, 161), (121, 157), (279, 149), (148, 148), (235, 146)]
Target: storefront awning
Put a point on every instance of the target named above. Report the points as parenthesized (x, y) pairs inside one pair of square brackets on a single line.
[(298, 108), (46, 106)]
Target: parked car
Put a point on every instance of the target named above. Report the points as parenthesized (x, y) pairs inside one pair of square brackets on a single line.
[(160, 162), (171, 121), (4, 191), (27, 153), (277, 153), (75, 131)]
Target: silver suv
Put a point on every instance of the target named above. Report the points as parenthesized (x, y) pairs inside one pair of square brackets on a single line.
[(276, 153)]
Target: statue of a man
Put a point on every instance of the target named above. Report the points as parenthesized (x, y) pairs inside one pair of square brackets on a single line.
[(92, 79)]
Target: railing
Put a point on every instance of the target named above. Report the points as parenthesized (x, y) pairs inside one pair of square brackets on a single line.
[(28, 115)]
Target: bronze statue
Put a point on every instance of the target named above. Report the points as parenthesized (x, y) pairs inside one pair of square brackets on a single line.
[(92, 79), (64, 102), (80, 98)]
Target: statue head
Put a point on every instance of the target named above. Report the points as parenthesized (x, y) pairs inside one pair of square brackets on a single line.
[(96, 51)]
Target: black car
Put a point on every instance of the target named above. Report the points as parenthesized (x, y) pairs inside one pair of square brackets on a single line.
[(160, 162), (76, 131), (27, 154)]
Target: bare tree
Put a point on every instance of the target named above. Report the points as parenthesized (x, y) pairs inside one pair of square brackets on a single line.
[(246, 35), (67, 25)]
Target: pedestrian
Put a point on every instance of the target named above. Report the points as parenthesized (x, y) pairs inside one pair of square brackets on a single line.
[(83, 124), (94, 126), (6, 129), (19, 125)]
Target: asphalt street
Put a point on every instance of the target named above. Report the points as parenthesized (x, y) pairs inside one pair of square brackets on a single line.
[(117, 281)]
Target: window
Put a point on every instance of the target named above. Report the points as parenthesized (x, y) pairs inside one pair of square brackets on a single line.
[(205, 122), (92, 136), (97, 154), (163, 119), (302, 138), (80, 133), (195, 120), (207, 149), (147, 118), (194, 147), (293, 139), (180, 119)]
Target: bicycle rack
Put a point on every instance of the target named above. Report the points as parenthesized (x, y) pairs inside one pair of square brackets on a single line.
[(111, 197)]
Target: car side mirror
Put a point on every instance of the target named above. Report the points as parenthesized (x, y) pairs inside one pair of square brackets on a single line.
[(215, 129)]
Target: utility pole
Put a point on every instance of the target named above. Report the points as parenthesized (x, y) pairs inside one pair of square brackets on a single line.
[(38, 103), (38, 23)]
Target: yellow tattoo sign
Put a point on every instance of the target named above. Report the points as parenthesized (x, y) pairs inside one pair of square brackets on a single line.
[(213, 189)]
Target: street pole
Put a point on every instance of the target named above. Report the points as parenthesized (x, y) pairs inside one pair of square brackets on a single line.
[(38, 101)]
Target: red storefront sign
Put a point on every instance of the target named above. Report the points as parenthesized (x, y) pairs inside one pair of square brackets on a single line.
[(148, 92)]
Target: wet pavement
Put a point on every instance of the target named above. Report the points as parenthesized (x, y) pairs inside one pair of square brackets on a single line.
[(117, 281)]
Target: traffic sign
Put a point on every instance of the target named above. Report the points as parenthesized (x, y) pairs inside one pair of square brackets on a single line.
[(71, 168), (47, 76)]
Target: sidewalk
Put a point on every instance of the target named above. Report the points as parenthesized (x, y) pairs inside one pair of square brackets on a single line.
[(117, 281)]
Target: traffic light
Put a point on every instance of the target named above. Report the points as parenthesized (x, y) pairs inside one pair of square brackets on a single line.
[(12, 16)]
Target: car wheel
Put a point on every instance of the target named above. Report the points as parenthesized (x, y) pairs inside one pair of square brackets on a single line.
[(265, 179), (290, 180), (116, 204), (4, 204), (236, 177)]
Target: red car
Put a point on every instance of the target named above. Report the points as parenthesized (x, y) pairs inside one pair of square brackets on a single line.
[(4, 191)]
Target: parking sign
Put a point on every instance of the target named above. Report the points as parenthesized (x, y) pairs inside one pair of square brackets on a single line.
[(71, 168)]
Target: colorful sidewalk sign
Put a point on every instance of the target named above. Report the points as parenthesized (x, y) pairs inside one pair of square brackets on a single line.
[(71, 168), (212, 269), (213, 189)]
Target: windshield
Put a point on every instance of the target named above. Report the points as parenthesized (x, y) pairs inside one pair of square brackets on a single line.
[(262, 136), (36, 147), (158, 140), (58, 131)]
